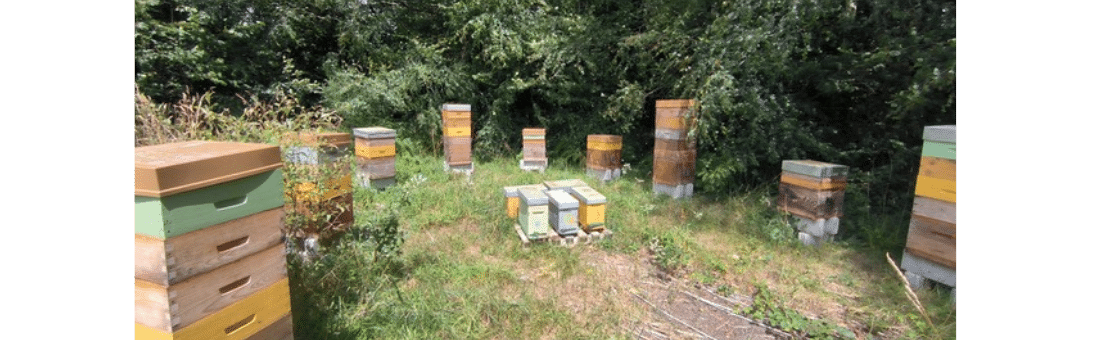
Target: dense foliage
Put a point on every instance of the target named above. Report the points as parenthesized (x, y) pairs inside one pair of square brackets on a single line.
[(846, 81)]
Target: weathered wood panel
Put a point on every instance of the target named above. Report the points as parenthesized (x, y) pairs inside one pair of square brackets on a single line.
[(809, 203), (932, 239), (171, 308), (935, 209), (166, 262), (175, 215), (378, 167), (937, 168), (235, 322), (279, 330), (674, 167)]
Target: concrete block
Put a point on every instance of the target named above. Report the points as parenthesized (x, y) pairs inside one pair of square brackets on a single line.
[(604, 175), (812, 227), (809, 240), (928, 269), (676, 191), (378, 183), (832, 226), (528, 165), (916, 281), (467, 169)]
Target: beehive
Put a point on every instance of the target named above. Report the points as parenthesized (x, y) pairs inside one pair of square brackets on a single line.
[(208, 251), (534, 213), (511, 198), (375, 156), (813, 192), (563, 212), (592, 212), (930, 244), (457, 133), (330, 196), (534, 149), (673, 151), (604, 159)]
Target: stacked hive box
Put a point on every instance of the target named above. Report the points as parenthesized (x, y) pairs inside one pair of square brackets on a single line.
[(375, 156), (511, 198), (673, 151), (331, 196), (457, 132), (563, 212), (208, 252), (813, 192), (592, 210), (534, 150), (930, 245), (533, 213), (605, 157)]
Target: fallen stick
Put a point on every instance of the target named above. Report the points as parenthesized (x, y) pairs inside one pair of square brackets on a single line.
[(912, 296), (731, 312)]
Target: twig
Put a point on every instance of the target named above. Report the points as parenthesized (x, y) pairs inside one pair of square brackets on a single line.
[(912, 296), (673, 317), (731, 312)]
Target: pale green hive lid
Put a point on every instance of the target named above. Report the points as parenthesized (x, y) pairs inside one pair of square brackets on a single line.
[(588, 195)]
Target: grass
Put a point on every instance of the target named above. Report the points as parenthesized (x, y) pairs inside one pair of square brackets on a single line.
[(451, 266)]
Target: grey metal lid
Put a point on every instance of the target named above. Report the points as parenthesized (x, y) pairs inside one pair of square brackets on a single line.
[(940, 133), (456, 107), (532, 196), (513, 191), (815, 168), (565, 183), (562, 199), (374, 132), (587, 195)]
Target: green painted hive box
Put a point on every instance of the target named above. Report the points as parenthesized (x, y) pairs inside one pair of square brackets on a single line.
[(534, 213), (187, 186)]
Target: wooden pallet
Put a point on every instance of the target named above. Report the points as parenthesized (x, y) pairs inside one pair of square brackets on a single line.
[(554, 238)]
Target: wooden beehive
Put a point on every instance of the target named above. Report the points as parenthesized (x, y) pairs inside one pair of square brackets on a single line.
[(511, 198), (457, 132), (208, 251), (591, 215), (604, 152), (534, 147), (326, 202), (812, 190), (563, 212), (673, 162), (930, 244), (375, 156), (534, 212)]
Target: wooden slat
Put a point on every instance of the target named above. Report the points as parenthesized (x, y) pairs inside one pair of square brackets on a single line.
[(932, 239), (938, 149), (936, 167), (456, 115), (605, 138), (166, 262), (811, 204), (187, 302), (182, 213), (815, 183), (457, 131), (605, 146), (935, 209), (169, 169), (936, 188), (375, 151), (279, 330), (385, 167), (674, 168), (235, 322)]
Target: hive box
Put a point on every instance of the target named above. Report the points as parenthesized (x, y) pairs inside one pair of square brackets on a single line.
[(814, 201), (172, 308), (673, 162), (375, 153), (511, 198), (240, 320), (674, 118), (184, 187), (563, 212), (930, 243), (533, 213), (604, 156), (593, 208), (318, 148), (534, 149)]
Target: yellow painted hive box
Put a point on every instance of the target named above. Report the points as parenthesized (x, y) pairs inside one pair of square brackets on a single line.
[(593, 207)]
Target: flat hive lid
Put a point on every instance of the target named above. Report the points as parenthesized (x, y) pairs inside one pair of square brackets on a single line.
[(167, 169), (374, 132), (565, 183), (815, 168), (562, 199), (587, 195), (532, 196), (534, 132), (940, 133), (513, 191), (331, 139), (456, 107)]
